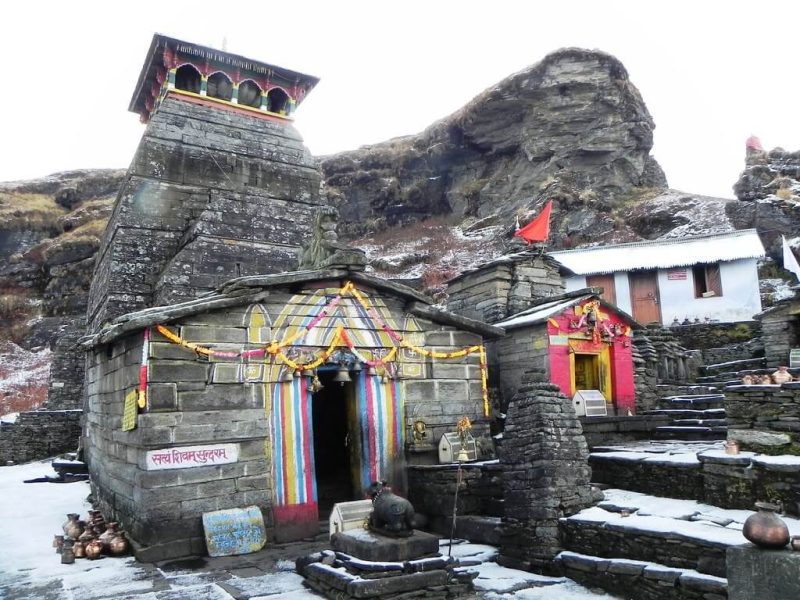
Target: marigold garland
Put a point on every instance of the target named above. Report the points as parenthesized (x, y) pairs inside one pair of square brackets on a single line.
[(340, 339)]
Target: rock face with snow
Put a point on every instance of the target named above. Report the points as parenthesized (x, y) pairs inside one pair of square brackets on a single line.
[(572, 128)]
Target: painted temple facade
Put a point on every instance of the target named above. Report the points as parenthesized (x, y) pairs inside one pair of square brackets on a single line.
[(288, 392), (575, 341)]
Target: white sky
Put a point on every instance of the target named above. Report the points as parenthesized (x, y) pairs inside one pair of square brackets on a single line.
[(711, 72)]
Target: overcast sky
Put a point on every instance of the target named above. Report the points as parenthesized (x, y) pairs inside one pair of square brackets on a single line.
[(710, 72)]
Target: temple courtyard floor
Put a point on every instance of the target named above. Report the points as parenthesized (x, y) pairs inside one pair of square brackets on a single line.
[(30, 569)]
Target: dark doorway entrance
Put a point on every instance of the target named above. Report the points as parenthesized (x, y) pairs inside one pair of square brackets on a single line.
[(332, 442)]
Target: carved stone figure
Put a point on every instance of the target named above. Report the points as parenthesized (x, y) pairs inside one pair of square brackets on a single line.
[(391, 515), (324, 248)]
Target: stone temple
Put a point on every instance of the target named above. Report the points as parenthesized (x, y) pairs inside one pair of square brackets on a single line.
[(221, 184)]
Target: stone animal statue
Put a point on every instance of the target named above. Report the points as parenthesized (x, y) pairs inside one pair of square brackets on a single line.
[(391, 515)]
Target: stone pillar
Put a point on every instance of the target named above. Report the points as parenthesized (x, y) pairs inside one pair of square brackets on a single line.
[(756, 573), (235, 94), (203, 85), (545, 475)]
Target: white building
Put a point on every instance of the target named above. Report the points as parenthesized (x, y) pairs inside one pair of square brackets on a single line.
[(706, 277)]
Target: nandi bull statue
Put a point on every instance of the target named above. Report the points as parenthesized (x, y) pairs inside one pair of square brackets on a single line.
[(391, 515)]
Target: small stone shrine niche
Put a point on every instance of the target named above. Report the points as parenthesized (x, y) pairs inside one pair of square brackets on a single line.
[(575, 341), (288, 392)]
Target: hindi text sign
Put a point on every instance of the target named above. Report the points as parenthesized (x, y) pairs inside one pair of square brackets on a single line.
[(234, 531), (192, 456)]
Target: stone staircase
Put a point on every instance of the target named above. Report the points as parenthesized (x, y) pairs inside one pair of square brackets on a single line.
[(694, 417), (643, 544), (646, 546)]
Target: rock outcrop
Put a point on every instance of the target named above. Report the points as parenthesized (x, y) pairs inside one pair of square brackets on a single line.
[(572, 128), (769, 191)]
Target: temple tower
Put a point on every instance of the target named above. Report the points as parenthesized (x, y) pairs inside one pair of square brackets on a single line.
[(220, 186)]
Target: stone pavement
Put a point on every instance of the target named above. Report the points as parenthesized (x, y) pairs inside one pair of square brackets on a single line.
[(265, 574)]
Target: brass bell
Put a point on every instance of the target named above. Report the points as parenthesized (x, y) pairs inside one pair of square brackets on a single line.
[(342, 376)]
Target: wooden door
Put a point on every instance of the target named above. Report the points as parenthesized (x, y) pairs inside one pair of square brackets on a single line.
[(644, 297), (607, 283)]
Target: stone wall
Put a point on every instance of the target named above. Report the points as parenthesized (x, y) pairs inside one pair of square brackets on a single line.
[(195, 401), (545, 475), (431, 489), (642, 580), (645, 372), (39, 434), (764, 418), (704, 336), (728, 481), (161, 509), (504, 287), (599, 431), (780, 331), (512, 358)]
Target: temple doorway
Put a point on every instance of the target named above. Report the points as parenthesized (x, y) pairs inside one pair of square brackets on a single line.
[(333, 409), (587, 372)]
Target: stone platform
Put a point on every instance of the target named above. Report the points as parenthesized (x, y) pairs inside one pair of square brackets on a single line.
[(366, 565), (374, 547), (757, 573)]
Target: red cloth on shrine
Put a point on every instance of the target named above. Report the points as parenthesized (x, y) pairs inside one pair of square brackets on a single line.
[(753, 143), (537, 230)]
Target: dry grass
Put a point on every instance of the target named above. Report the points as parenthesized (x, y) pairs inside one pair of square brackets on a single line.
[(89, 233), (784, 193), (28, 211)]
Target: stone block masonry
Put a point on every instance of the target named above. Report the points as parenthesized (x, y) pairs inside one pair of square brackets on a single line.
[(210, 195), (39, 434), (764, 418), (545, 475)]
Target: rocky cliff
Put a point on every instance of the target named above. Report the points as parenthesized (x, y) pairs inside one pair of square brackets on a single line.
[(572, 128)]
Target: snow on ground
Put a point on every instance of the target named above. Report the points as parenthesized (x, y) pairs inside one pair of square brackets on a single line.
[(706, 520), (9, 418), (31, 569), (35, 513)]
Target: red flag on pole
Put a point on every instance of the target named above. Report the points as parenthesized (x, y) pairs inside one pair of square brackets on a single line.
[(537, 230)]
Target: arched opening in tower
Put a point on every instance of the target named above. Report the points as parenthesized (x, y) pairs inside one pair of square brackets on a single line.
[(277, 101), (249, 93), (187, 78), (220, 86)]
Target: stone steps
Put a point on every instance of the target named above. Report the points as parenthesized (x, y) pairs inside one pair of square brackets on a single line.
[(640, 579), (694, 417), (691, 432), (661, 540), (646, 546), (689, 413)]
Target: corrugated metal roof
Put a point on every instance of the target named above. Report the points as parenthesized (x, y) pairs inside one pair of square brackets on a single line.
[(662, 254), (540, 313)]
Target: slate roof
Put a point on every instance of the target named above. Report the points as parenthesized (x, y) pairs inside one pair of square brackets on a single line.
[(662, 254), (550, 307), (246, 290)]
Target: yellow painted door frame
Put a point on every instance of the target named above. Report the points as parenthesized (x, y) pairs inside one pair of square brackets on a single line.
[(604, 367)]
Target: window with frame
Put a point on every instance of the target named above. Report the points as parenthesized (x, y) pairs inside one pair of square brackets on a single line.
[(707, 281)]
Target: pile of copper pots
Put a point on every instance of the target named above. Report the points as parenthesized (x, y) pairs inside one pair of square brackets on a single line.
[(91, 538)]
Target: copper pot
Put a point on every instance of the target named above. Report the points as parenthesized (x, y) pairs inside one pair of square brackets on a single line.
[(118, 544), (795, 543), (67, 555), (94, 549), (765, 528), (73, 527), (58, 543), (79, 549)]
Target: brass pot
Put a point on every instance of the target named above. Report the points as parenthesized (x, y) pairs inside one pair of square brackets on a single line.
[(765, 528)]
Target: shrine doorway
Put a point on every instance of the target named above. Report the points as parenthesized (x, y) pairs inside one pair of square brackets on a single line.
[(333, 417)]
